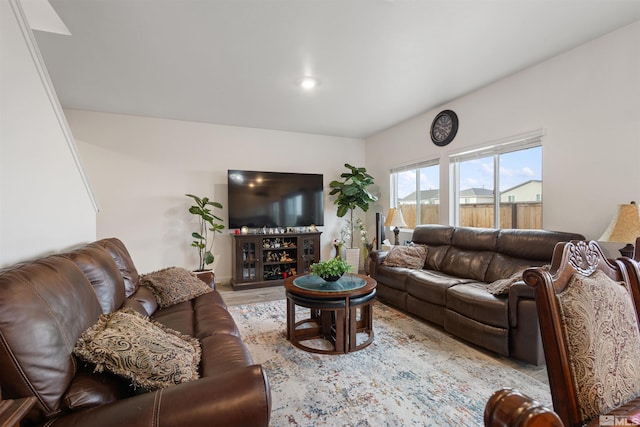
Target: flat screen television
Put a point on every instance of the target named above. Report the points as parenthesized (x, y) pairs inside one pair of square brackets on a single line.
[(274, 199)]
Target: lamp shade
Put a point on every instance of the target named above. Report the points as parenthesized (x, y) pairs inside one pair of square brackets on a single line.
[(394, 218), (625, 225)]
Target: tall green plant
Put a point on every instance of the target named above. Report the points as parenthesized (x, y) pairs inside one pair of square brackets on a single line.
[(208, 222), (352, 193)]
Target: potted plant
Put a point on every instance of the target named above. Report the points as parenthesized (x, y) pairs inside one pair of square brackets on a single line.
[(208, 223), (331, 270), (351, 194)]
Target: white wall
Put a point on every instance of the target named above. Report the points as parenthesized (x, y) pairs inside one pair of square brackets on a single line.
[(588, 102), (142, 167), (44, 206)]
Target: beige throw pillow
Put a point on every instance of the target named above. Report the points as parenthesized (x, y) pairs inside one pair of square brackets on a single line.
[(412, 256), (173, 285), (149, 354)]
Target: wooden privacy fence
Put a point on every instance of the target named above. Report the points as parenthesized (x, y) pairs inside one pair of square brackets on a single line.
[(512, 215)]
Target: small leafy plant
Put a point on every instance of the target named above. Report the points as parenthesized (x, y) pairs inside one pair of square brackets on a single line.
[(208, 222), (335, 267)]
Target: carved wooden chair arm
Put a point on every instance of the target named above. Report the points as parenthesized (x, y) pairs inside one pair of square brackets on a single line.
[(510, 408)]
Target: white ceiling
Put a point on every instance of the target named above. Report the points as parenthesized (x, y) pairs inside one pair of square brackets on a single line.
[(237, 62)]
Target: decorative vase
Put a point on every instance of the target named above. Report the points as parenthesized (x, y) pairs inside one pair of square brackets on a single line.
[(332, 278), (338, 247)]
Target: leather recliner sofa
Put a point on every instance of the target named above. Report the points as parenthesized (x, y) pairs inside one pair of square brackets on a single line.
[(451, 290), (47, 303)]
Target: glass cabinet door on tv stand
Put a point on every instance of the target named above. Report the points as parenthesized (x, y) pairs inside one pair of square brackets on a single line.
[(267, 259), (309, 253), (246, 259)]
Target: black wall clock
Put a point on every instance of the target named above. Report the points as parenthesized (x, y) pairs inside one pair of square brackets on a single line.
[(444, 128)]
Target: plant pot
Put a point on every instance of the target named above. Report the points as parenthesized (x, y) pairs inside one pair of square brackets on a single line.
[(352, 256), (332, 278), (207, 276)]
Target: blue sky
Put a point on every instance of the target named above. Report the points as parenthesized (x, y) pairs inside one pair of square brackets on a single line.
[(515, 168)]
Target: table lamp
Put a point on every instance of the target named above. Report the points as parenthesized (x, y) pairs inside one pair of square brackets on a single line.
[(624, 228), (395, 219)]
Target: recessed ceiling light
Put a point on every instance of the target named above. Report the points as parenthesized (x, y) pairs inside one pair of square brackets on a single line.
[(308, 82)]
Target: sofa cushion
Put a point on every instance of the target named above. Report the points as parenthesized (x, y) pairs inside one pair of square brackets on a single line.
[(466, 264), (472, 300), (44, 307), (149, 354), (103, 274), (209, 300), (212, 320), (503, 266), (435, 256), (179, 317), (475, 239), (134, 305), (120, 255), (144, 297), (433, 235), (202, 322), (532, 244), (406, 256), (393, 277), (431, 286), (174, 285), (223, 353), (89, 389)]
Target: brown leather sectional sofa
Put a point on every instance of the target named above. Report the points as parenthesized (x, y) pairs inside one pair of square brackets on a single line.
[(451, 289), (46, 304)]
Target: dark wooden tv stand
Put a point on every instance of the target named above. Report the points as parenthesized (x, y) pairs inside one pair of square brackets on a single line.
[(261, 260)]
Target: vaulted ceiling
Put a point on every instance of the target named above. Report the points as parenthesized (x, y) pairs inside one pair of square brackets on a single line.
[(239, 62)]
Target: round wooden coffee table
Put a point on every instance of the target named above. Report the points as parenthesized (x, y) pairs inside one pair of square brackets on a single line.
[(338, 311)]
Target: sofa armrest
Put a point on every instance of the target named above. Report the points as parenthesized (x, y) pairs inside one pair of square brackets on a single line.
[(517, 292), (375, 259), (378, 256), (525, 342), (240, 397), (510, 408)]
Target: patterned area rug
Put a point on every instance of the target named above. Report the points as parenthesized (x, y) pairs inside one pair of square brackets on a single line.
[(411, 375)]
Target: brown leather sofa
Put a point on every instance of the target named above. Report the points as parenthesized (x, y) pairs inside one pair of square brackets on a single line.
[(46, 304), (451, 289)]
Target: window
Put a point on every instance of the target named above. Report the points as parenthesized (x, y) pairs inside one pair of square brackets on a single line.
[(515, 169), (415, 189)]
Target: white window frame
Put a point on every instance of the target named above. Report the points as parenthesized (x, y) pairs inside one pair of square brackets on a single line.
[(493, 149), (393, 202)]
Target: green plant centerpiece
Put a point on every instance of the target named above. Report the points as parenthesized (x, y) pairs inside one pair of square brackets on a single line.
[(351, 194), (208, 223), (330, 270)]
